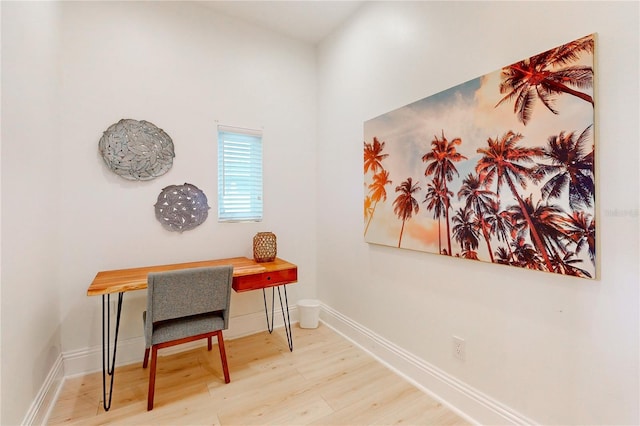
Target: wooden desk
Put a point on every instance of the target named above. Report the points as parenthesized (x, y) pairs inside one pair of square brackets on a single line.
[(247, 275)]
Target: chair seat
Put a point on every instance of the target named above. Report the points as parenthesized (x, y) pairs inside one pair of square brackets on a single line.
[(165, 331)]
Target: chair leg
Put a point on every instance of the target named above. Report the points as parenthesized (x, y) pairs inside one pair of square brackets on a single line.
[(223, 357), (145, 362), (152, 378), (209, 345)]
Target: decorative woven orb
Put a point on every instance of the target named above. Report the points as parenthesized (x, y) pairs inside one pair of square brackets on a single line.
[(136, 150), (181, 207), (264, 247)]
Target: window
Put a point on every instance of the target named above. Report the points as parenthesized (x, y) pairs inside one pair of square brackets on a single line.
[(239, 175)]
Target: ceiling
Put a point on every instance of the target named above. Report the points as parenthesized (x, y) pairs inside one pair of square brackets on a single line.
[(306, 20)]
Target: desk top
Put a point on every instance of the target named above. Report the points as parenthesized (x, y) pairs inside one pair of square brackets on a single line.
[(121, 280)]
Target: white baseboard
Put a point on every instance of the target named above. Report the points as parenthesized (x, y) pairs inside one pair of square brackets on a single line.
[(48, 394), (468, 402)]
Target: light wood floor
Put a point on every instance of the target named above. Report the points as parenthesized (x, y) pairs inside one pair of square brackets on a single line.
[(326, 380)]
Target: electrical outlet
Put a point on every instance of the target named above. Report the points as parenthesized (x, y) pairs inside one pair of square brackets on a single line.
[(459, 348)]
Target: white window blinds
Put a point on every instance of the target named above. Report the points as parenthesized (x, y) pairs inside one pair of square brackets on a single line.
[(239, 175)]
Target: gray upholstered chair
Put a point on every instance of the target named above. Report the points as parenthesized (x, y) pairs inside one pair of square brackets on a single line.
[(183, 306)]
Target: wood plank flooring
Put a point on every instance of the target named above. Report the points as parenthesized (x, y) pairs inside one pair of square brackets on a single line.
[(326, 380)]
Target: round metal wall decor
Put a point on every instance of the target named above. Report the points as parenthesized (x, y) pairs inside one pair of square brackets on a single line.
[(136, 150), (181, 207)]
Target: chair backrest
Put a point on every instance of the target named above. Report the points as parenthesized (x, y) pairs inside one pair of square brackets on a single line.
[(185, 292)]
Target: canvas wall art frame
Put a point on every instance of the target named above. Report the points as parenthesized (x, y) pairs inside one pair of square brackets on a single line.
[(497, 169)]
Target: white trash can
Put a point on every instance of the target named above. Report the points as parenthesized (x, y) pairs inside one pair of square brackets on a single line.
[(308, 313)]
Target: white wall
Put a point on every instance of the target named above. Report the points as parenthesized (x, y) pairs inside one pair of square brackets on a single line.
[(70, 70), (30, 188), (555, 349), (184, 69)]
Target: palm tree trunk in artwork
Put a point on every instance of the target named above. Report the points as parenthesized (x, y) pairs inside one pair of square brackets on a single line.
[(401, 231), (439, 236), (485, 234), (446, 212), (370, 217), (534, 232), (508, 239), (448, 230)]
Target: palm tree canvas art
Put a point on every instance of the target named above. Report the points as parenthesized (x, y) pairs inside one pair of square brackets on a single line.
[(498, 169)]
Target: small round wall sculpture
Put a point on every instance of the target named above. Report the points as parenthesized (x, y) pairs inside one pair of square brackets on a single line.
[(181, 207), (136, 150)]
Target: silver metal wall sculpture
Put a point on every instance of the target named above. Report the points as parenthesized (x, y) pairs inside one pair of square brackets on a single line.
[(136, 150), (181, 207)]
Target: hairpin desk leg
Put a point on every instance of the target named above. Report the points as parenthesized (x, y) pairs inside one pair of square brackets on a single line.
[(108, 365), (287, 319), (266, 311), (285, 313)]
